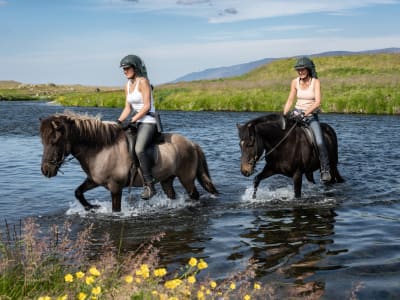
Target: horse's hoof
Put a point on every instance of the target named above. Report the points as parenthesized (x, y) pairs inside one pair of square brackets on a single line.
[(92, 207), (254, 196)]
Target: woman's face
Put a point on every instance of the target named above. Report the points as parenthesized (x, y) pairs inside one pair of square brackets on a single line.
[(303, 73), (129, 72)]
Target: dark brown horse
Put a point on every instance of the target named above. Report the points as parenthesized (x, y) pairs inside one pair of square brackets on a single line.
[(287, 150), (102, 150)]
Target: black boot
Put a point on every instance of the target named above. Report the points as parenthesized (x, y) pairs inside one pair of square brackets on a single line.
[(324, 160), (148, 190)]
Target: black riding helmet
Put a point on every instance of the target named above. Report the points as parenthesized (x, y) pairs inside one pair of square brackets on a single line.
[(136, 62), (305, 62)]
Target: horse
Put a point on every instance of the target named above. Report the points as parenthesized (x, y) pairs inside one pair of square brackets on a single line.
[(101, 147), (287, 148)]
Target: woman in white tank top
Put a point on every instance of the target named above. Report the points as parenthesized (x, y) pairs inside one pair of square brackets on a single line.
[(139, 101), (306, 88)]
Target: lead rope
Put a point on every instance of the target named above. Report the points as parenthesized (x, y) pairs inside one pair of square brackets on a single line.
[(280, 142)]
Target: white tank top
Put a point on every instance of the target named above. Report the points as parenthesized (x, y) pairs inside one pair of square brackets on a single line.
[(305, 97), (135, 99)]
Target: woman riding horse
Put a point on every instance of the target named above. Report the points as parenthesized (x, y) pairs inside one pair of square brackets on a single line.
[(307, 88)]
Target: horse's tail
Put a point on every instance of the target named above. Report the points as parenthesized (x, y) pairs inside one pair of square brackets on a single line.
[(336, 177), (202, 173)]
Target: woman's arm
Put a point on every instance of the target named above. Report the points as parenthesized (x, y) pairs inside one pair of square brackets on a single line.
[(127, 109), (291, 97)]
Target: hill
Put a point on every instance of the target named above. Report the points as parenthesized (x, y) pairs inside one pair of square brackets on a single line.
[(240, 69), (359, 83)]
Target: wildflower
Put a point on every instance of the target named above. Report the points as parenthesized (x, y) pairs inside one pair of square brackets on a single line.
[(232, 286), (128, 279), (69, 278), (65, 297), (191, 279), (154, 293), (89, 280), (138, 280), (246, 297), (44, 298), (257, 286), (82, 296), (200, 295), (94, 271), (173, 298), (96, 290), (208, 292), (172, 284), (160, 272), (192, 262), (202, 265), (213, 284), (79, 274)]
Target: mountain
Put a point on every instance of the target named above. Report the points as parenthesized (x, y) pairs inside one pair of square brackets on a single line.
[(237, 70)]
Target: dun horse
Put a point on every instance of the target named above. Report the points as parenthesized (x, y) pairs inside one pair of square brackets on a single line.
[(102, 150), (287, 150)]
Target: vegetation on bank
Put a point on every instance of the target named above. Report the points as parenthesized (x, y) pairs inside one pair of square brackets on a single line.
[(366, 83)]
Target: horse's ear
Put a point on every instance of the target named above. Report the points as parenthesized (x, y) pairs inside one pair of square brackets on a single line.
[(238, 126)]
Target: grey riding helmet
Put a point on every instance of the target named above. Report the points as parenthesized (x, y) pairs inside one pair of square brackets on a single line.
[(305, 62)]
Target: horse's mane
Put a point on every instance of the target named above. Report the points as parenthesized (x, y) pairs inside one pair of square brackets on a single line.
[(267, 119), (91, 129)]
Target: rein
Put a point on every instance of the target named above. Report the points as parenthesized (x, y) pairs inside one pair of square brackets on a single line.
[(278, 144)]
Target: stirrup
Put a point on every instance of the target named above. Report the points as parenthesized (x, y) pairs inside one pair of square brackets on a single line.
[(325, 176), (148, 191)]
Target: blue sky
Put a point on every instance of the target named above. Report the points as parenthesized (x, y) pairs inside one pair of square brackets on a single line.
[(82, 41)]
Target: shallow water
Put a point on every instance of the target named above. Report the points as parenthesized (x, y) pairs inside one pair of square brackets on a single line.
[(330, 242)]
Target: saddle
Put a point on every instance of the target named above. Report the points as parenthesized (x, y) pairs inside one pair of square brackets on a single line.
[(130, 135), (306, 129)]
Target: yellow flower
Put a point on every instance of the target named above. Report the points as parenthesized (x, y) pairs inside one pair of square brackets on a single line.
[(232, 286), (246, 297), (154, 293), (160, 272), (96, 290), (138, 280), (257, 286), (213, 284), (69, 278), (200, 295), (44, 298), (192, 262), (89, 280), (171, 284), (202, 265), (208, 292), (191, 279), (128, 279), (94, 271), (79, 274), (82, 296), (173, 298), (65, 297)]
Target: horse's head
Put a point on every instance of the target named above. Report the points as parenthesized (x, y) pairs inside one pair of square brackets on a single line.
[(56, 146), (250, 148)]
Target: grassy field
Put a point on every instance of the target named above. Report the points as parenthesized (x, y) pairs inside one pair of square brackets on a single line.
[(366, 84)]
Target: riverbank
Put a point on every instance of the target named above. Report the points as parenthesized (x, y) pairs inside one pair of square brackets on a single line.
[(366, 84)]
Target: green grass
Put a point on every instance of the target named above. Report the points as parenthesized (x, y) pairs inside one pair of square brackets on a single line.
[(366, 84)]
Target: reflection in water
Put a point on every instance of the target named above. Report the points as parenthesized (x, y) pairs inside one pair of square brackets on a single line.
[(292, 244)]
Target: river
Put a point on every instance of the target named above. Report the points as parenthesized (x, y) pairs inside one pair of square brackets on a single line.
[(332, 241)]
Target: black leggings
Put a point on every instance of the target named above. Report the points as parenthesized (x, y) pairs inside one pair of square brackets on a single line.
[(144, 140)]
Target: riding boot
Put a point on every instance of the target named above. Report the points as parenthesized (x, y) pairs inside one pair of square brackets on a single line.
[(148, 190), (324, 161)]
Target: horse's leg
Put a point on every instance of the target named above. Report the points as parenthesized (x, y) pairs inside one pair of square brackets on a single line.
[(168, 187), (87, 185), (190, 188), (297, 181), (336, 177), (265, 173), (116, 201)]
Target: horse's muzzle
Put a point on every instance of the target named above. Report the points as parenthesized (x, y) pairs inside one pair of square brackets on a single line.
[(49, 170), (247, 170)]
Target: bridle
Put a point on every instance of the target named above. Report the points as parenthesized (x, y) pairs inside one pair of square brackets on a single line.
[(254, 160)]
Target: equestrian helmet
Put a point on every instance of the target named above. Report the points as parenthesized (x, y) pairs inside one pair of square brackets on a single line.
[(131, 61), (304, 62)]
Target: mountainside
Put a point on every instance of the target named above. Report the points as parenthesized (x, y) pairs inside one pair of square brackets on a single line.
[(240, 69)]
